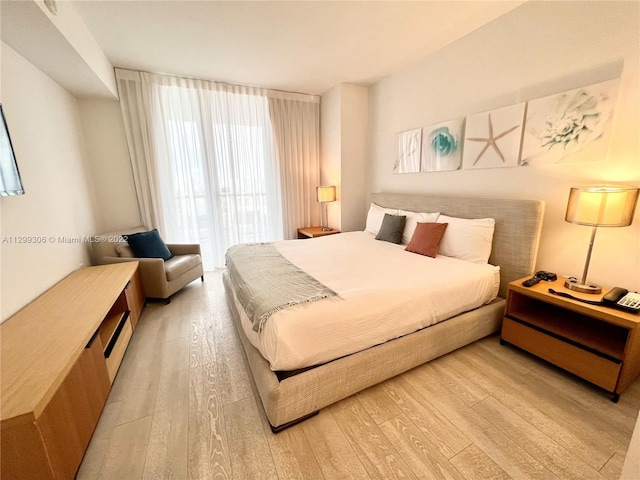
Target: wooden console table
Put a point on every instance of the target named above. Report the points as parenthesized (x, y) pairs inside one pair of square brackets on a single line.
[(59, 356)]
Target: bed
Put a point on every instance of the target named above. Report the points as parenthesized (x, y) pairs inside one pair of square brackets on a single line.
[(291, 391)]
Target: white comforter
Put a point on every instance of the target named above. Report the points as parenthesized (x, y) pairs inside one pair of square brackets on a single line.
[(384, 293)]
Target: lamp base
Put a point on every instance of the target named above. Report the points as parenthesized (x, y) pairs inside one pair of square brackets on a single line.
[(572, 284)]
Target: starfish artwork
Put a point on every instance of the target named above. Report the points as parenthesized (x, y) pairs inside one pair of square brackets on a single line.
[(491, 141)]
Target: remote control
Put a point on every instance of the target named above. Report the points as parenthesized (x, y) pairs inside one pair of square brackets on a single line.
[(531, 282)]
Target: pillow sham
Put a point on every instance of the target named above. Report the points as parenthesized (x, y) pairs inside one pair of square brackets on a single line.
[(412, 220), (148, 245), (467, 239), (376, 216), (392, 228), (426, 239)]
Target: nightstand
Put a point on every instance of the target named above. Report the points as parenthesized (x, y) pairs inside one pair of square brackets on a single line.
[(599, 344), (313, 232)]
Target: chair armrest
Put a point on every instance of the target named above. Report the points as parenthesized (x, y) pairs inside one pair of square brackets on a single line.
[(152, 267), (184, 248)]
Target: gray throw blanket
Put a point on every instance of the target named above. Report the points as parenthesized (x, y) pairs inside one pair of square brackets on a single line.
[(265, 281)]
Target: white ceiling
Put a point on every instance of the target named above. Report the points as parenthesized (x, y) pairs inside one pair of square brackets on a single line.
[(301, 46)]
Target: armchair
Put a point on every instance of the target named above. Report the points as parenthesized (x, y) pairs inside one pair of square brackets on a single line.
[(160, 278)]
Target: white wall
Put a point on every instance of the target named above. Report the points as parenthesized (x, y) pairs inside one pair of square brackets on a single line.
[(331, 150), (108, 161), (354, 125), (537, 49), (45, 129), (343, 147)]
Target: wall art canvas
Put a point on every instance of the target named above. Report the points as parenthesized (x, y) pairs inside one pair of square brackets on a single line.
[(409, 144), (569, 127), (442, 146), (492, 139)]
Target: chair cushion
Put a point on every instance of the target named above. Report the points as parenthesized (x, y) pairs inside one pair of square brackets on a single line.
[(148, 245), (180, 264)]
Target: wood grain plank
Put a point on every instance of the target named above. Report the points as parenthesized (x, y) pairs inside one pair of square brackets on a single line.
[(617, 419), (474, 464), (293, 456), (125, 456), (554, 457), (97, 449), (334, 453), (456, 383), (232, 370), (179, 315), (613, 468), (167, 450), (564, 425), (136, 384), (428, 419), (248, 445), (202, 350), (375, 451), (208, 447), (378, 404), (513, 459), (420, 453)]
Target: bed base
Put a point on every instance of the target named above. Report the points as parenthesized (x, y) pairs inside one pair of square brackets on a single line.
[(298, 397)]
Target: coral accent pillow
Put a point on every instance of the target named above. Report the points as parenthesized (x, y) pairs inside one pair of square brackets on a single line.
[(426, 239)]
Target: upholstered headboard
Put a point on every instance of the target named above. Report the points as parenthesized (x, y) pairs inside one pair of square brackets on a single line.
[(517, 230)]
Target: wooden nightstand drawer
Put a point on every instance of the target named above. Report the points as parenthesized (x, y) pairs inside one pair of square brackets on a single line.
[(594, 368)]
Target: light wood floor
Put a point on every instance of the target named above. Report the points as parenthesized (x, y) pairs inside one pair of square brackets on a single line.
[(182, 406)]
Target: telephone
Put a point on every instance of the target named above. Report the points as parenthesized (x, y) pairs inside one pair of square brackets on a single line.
[(623, 299)]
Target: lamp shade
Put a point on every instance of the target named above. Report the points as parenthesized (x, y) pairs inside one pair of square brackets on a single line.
[(326, 194), (602, 205)]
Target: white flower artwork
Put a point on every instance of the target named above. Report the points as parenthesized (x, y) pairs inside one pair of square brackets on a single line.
[(561, 125), (442, 146), (492, 139), (409, 144)]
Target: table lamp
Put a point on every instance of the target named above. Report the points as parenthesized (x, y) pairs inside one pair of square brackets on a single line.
[(324, 195), (599, 206)]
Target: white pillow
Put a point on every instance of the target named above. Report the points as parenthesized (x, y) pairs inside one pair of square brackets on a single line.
[(413, 218), (467, 239), (376, 216)]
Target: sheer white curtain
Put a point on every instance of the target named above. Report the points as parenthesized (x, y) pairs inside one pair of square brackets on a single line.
[(134, 116), (296, 125), (213, 161), (220, 164)]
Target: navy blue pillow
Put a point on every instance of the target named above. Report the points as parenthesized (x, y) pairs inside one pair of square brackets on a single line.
[(148, 245)]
